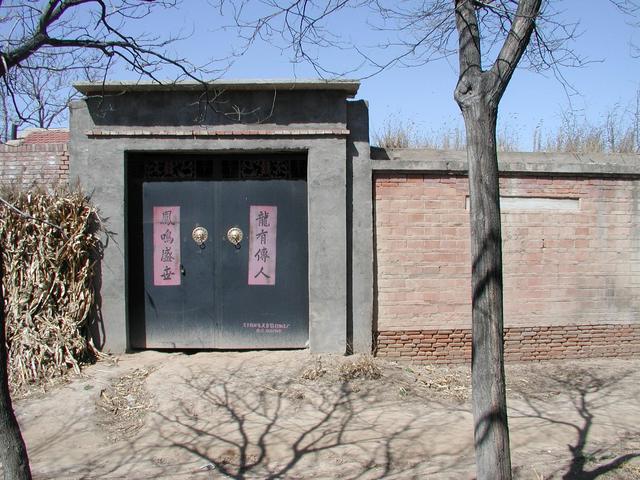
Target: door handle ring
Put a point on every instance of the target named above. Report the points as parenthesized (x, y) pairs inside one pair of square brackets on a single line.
[(200, 235), (235, 235)]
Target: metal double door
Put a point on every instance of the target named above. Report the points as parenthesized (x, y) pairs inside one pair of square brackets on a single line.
[(225, 264)]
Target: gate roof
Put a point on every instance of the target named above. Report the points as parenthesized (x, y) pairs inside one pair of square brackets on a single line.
[(350, 87)]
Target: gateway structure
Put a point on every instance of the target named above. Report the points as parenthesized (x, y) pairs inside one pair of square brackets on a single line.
[(231, 211)]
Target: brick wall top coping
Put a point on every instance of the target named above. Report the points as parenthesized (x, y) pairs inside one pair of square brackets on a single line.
[(350, 87), (532, 163), (33, 147)]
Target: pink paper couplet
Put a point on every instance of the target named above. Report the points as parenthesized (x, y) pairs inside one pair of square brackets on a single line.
[(263, 222), (166, 246)]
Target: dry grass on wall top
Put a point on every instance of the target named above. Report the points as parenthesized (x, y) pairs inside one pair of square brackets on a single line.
[(48, 282)]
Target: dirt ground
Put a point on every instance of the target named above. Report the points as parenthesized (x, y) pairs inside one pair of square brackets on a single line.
[(293, 415)]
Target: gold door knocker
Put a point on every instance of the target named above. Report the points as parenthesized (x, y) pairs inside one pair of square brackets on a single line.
[(234, 235), (200, 236)]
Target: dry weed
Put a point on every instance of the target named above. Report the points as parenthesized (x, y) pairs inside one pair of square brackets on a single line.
[(335, 368), (124, 404), (450, 382), (359, 366), (315, 371)]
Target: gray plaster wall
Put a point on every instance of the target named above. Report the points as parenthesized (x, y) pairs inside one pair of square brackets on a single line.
[(98, 163), (222, 108), (360, 229)]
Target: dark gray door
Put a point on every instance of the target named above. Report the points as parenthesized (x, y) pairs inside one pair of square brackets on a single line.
[(214, 293)]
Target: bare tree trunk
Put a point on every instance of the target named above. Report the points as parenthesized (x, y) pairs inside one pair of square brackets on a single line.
[(13, 450), (491, 431), (478, 94)]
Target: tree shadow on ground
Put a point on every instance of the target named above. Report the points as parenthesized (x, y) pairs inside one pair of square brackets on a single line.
[(280, 428), (588, 393), (233, 424)]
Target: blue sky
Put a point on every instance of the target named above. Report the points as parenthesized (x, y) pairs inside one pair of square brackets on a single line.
[(423, 96)]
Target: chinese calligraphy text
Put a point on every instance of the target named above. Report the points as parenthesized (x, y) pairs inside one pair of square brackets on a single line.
[(166, 246), (263, 222)]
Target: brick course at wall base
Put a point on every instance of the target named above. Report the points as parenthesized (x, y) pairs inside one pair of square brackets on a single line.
[(520, 343)]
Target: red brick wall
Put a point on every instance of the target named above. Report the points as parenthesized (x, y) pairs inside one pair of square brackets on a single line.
[(564, 269), (28, 163)]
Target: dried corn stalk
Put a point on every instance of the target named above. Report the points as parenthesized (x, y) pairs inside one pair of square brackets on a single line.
[(48, 281)]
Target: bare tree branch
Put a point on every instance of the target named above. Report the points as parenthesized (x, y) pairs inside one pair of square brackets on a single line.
[(470, 54), (515, 45), (23, 214), (47, 45)]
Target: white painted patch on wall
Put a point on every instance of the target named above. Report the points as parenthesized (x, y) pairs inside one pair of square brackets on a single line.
[(526, 204)]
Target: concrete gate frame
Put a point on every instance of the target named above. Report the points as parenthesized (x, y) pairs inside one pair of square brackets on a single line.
[(116, 119)]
